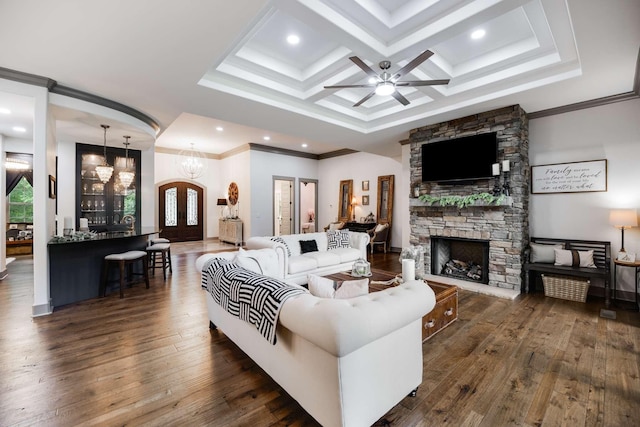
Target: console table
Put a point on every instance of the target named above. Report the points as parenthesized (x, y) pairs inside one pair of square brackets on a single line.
[(230, 230)]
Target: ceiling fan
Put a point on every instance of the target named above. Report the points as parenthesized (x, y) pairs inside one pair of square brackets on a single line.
[(386, 83)]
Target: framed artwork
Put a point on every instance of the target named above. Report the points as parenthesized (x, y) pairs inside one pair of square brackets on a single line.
[(574, 177), (365, 186), (365, 200), (52, 187)]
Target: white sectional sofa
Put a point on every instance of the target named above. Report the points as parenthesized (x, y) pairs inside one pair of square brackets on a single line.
[(347, 362), (328, 259)]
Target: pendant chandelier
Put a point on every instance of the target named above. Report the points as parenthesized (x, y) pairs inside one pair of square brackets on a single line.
[(191, 163), (126, 176), (104, 171)]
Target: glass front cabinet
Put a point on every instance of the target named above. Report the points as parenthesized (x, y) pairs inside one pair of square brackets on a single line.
[(107, 206)]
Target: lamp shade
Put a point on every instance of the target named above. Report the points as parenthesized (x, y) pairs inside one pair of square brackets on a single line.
[(222, 202), (623, 218)]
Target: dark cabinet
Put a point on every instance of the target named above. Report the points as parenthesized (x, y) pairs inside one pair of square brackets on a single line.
[(107, 206)]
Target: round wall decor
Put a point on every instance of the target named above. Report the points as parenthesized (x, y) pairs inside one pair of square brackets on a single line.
[(233, 193)]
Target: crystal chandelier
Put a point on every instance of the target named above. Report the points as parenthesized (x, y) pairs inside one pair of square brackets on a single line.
[(126, 176), (104, 171), (191, 163)]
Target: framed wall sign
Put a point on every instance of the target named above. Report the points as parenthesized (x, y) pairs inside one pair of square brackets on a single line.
[(575, 177)]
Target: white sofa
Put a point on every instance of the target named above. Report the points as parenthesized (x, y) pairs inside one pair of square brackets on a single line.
[(346, 362), (297, 266)]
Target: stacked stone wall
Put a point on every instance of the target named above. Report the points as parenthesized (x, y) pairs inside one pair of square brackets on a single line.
[(507, 226)]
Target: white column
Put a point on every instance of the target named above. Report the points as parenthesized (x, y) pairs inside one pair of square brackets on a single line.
[(44, 164)]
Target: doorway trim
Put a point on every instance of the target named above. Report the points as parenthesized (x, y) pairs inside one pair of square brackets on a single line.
[(301, 181), (294, 209)]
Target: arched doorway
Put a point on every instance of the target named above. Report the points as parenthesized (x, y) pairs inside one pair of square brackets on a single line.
[(180, 213)]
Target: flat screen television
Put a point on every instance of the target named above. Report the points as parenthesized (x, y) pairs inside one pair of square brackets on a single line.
[(461, 159)]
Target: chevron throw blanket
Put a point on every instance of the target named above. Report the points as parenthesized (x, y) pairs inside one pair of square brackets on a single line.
[(249, 296)]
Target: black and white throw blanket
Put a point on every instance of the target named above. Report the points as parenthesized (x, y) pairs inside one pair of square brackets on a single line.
[(249, 296)]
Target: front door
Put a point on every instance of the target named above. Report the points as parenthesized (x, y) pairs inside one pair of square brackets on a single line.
[(180, 211)]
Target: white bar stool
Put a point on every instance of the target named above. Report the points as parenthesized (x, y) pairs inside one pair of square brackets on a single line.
[(122, 260)]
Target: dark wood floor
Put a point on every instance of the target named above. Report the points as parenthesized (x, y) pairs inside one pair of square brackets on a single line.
[(150, 359)]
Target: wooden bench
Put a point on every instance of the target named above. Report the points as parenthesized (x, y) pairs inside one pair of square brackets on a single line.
[(601, 258)]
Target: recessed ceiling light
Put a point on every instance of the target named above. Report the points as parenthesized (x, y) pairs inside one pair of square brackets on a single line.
[(19, 129), (293, 39), (266, 138), (305, 145), (219, 128), (5, 111), (478, 34)]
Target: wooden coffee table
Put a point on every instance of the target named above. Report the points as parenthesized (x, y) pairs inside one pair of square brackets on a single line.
[(443, 314)]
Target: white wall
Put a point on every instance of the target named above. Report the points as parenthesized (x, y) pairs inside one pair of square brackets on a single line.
[(609, 132), (264, 166), (362, 167)]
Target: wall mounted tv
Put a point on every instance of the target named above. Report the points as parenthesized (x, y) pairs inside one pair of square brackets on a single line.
[(460, 159)]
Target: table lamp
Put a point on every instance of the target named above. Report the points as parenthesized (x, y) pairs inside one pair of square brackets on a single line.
[(222, 203), (623, 218)]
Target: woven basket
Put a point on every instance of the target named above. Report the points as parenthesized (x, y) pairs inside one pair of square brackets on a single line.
[(566, 287)]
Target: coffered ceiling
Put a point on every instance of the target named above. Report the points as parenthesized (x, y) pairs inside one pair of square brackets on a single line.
[(522, 49), (195, 66)]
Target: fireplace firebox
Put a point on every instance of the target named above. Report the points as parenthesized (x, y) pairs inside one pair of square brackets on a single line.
[(459, 258)]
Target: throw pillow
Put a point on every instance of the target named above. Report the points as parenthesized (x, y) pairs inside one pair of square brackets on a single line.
[(323, 287), (574, 258), (338, 239), (336, 225), (281, 240), (308, 246), (543, 253)]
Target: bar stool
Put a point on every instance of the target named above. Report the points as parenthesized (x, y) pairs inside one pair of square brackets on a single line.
[(164, 250), (124, 259)]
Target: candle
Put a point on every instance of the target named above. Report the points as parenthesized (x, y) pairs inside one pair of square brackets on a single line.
[(496, 169), (505, 166), (84, 223), (67, 222), (408, 270)]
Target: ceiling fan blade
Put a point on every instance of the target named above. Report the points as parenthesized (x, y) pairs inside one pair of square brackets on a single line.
[(412, 64), (423, 82), (348, 86), (357, 104), (401, 99), (364, 67)]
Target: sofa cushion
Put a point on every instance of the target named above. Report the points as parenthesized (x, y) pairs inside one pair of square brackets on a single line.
[(300, 263), (323, 287), (346, 254), (308, 246), (338, 239), (324, 259)]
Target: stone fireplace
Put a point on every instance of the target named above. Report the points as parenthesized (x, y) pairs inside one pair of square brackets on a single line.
[(502, 228)]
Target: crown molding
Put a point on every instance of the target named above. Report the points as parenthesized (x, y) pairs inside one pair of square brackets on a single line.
[(53, 87)]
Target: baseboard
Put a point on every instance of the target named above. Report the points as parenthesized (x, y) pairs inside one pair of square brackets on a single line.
[(3, 274), (41, 310)]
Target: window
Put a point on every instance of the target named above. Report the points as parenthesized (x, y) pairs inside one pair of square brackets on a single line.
[(21, 203)]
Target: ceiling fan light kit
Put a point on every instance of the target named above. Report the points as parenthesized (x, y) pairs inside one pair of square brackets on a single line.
[(386, 84)]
